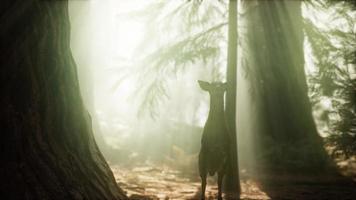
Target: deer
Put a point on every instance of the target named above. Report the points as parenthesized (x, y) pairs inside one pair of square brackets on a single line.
[(214, 151)]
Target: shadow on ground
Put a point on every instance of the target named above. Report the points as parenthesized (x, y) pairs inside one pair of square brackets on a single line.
[(305, 188), (164, 183)]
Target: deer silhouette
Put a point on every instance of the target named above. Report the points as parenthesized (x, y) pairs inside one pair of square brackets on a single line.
[(214, 152)]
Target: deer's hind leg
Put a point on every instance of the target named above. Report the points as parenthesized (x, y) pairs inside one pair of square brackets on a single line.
[(221, 175), (203, 185), (203, 174)]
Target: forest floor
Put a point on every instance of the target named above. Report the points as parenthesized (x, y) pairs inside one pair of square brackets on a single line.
[(164, 183)]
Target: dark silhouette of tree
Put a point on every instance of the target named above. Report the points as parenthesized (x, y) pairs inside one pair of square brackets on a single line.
[(287, 138), (48, 148), (334, 78), (232, 178)]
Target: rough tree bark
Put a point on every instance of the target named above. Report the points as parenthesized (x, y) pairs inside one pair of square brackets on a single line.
[(47, 144)]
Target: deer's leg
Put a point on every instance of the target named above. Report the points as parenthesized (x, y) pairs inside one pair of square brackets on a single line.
[(220, 179), (203, 173), (203, 185)]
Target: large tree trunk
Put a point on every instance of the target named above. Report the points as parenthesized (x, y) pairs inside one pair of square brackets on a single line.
[(47, 143), (232, 179), (287, 135)]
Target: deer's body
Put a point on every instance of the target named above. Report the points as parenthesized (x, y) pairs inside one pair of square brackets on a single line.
[(214, 152)]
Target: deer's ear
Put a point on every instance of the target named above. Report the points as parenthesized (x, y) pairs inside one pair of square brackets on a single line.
[(204, 85)]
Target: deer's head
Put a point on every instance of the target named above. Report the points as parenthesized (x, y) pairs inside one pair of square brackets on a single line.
[(216, 91), (214, 88)]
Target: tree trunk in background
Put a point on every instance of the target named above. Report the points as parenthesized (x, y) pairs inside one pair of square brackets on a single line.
[(48, 148), (232, 179), (287, 135)]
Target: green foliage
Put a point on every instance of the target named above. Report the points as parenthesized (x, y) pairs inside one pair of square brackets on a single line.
[(335, 76), (180, 35)]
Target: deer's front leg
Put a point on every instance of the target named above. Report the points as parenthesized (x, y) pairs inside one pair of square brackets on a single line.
[(203, 173), (203, 186), (220, 179)]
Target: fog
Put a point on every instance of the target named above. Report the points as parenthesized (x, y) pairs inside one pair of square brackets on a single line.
[(108, 44), (142, 94), (139, 110)]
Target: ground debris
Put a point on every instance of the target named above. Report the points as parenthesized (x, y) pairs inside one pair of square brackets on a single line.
[(164, 183)]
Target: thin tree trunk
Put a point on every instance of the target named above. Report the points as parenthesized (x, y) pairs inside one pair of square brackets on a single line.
[(232, 180), (48, 148)]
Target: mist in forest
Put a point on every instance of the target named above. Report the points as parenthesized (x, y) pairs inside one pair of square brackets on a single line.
[(146, 117), (178, 100), (139, 63)]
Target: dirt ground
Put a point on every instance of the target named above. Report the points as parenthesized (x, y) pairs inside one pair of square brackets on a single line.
[(164, 183)]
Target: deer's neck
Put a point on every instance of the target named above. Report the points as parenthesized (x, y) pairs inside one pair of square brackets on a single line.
[(216, 108)]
